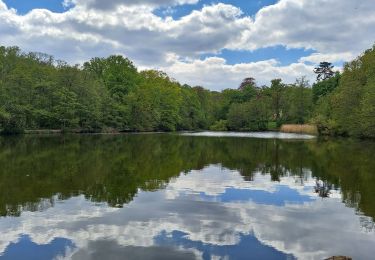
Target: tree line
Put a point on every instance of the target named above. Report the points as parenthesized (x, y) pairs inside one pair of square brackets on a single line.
[(110, 94)]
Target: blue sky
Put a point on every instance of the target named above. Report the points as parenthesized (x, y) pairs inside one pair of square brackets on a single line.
[(211, 43), (249, 247), (281, 197), (23, 6), (248, 7), (283, 55), (24, 248)]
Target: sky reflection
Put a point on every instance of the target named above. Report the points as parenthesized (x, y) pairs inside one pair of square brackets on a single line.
[(262, 135), (24, 248), (211, 213)]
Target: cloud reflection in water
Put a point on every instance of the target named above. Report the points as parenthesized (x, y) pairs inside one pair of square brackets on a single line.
[(211, 214)]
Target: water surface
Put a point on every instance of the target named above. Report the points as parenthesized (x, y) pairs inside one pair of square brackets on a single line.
[(167, 196), (262, 135)]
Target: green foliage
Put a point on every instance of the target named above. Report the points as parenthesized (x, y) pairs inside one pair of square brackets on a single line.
[(323, 116), (221, 125), (323, 88), (253, 115), (272, 125), (191, 112), (367, 111), (276, 92), (349, 108), (109, 94), (37, 92), (298, 102), (117, 73), (238, 116)]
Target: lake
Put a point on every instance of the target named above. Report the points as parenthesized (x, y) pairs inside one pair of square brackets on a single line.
[(186, 196)]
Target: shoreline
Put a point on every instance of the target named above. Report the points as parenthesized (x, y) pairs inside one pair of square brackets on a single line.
[(286, 128), (114, 132), (51, 132)]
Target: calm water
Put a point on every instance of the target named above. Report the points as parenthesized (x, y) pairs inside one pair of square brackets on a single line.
[(168, 196)]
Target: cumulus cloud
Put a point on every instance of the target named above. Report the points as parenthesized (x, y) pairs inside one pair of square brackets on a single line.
[(326, 26), (334, 57), (135, 32), (337, 30), (110, 4), (216, 74)]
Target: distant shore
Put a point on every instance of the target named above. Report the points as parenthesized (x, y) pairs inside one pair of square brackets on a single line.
[(288, 128)]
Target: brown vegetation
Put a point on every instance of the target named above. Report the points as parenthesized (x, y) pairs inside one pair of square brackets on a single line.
[(300, 129)]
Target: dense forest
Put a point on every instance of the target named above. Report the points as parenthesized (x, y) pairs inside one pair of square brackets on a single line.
[(111, 95)]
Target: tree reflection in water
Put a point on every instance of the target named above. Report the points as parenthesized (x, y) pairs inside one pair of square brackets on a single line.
[(215, 196), (323, 188), (112, 169)]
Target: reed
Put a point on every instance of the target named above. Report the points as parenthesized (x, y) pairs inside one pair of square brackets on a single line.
[(300, 129)]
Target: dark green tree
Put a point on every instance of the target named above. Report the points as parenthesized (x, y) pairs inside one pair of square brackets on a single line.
[(324, 71), (276, 92)]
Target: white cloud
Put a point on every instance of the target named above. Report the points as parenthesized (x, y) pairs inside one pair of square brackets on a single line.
[(327, 26), (133, 31), (337, 30), (334, 57), (215, 74), (110, 4), (2, 6)]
